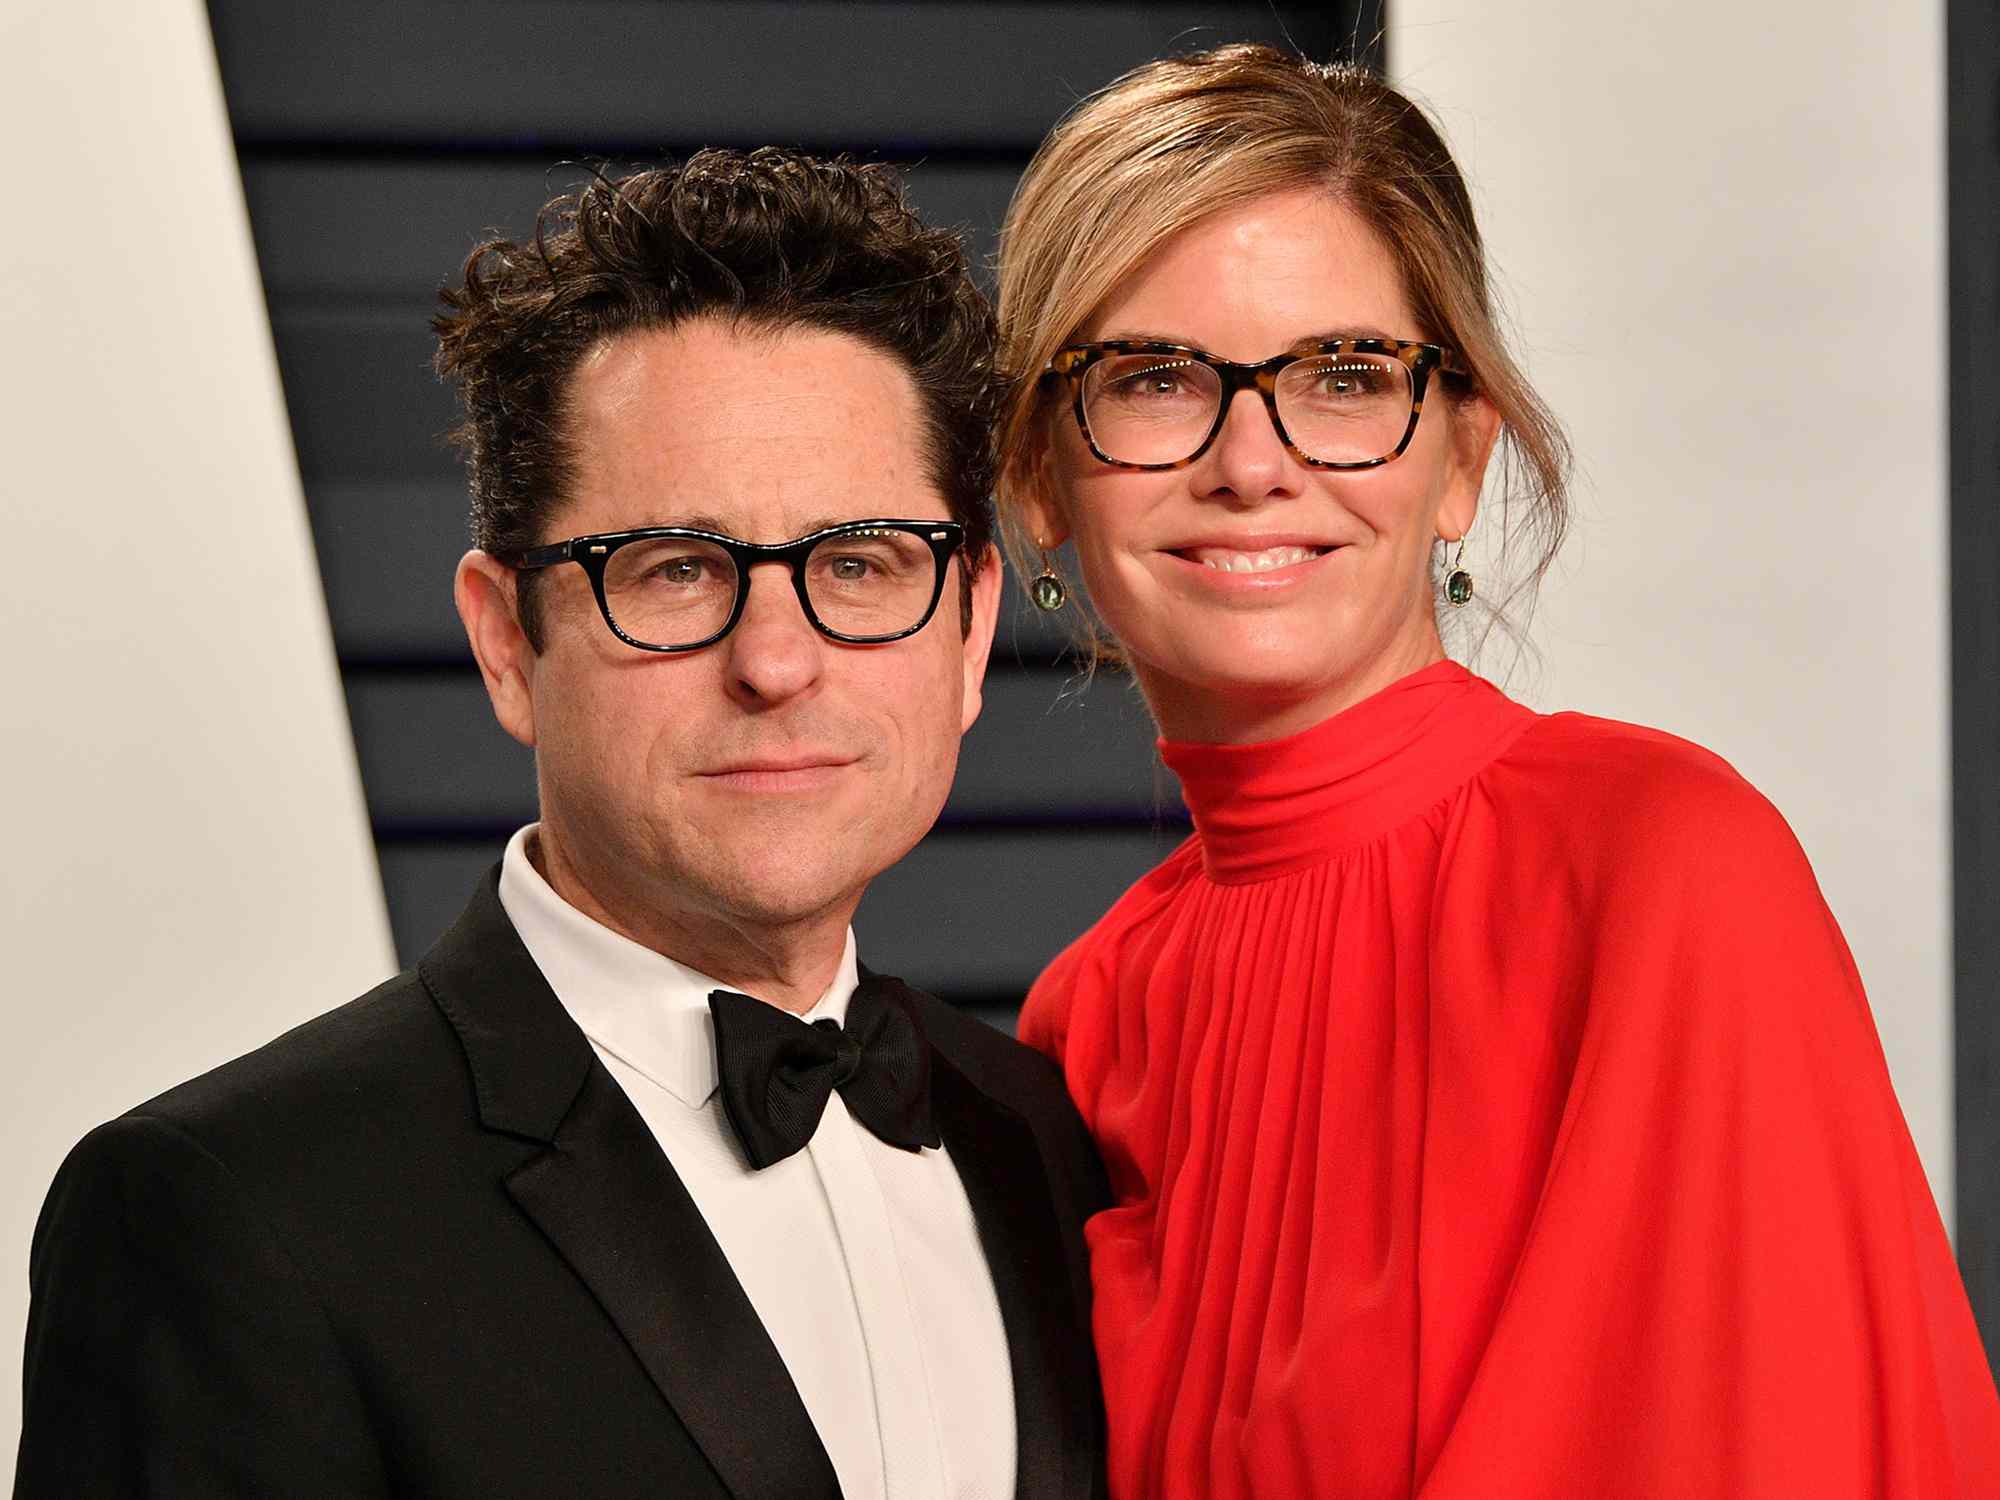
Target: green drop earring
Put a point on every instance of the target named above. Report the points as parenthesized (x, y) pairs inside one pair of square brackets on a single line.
[(1458, 582), (1047, 589)]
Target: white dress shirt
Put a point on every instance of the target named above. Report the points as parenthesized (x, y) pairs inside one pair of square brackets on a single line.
[(861, 1259)]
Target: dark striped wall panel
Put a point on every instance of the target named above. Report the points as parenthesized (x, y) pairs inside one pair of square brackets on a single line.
[(380, 142), (350, 230), (906, 77)]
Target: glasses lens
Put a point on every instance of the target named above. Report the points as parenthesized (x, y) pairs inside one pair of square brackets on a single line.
[(670, 591), (1345, 408), (1149, 408), (872, 583)]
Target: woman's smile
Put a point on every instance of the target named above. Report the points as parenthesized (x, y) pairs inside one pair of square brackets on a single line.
[(1258, 571), (1270, 559)]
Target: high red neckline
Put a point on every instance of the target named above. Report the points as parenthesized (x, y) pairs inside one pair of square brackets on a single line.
[(1264, 809)]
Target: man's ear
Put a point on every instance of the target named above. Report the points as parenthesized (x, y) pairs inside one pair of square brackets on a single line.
[(986, 589), (484, 590), (1474, 429)]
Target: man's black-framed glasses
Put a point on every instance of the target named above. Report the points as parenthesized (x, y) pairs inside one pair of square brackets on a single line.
[(1341, 404), (675, 588)]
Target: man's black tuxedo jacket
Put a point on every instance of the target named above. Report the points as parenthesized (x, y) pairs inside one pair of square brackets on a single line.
[(423, 1245)]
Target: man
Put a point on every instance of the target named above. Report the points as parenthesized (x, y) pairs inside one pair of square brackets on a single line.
[(637, 1183)]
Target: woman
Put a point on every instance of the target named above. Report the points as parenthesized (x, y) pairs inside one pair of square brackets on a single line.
[(1492, 1106)]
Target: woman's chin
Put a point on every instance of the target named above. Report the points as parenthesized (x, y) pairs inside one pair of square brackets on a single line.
[(1216, 697), (1252, 659)]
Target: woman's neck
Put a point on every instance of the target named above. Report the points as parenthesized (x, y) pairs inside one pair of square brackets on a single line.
[(1248, 714)]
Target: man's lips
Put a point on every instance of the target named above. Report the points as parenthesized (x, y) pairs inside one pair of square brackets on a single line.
[(779, 772)]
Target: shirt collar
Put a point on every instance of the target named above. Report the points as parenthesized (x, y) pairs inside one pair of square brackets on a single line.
[(641, 1007)]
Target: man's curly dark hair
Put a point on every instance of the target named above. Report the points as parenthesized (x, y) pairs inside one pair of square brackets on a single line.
[(771, 238)]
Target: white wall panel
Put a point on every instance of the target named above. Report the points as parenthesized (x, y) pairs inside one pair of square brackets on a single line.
[(188, 868), (1720, 231)]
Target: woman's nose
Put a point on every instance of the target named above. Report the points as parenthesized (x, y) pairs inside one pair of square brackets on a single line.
[(1248, 462)]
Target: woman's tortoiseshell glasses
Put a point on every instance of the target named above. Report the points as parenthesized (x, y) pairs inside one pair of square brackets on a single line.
[(1349, 403)]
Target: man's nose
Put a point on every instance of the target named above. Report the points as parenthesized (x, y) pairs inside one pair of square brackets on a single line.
[(773, 653), (1248, 462)]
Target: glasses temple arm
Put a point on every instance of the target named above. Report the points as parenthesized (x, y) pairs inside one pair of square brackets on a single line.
[(541, 557)]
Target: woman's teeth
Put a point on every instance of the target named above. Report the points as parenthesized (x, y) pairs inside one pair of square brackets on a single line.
[(1253, 562)]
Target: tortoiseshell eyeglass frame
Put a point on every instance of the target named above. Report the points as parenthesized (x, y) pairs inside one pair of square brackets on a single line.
[(1072, 360), (592, 553)]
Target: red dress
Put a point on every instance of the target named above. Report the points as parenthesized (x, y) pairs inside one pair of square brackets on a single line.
[(1493, 1110)]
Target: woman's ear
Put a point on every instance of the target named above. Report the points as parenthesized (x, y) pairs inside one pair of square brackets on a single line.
[(1474, 429), (1041, 512)]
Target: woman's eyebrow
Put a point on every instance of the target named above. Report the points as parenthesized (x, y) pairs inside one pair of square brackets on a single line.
[(1142, 336), (1347, 331), (1304, 340)]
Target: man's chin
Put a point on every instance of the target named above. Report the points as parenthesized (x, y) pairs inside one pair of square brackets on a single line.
[(763, 903), (781, 883)]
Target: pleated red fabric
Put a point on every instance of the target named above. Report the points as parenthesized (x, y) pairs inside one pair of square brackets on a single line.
[(1493, 1110)]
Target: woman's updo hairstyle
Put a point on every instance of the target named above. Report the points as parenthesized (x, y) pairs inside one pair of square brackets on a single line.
[(1175, 141)]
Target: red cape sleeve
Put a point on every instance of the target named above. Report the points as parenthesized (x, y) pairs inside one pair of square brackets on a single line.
[(1735, 1281)]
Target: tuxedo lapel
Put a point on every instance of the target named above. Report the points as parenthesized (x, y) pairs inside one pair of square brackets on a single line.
[(608, 1201), (1007, 1182)]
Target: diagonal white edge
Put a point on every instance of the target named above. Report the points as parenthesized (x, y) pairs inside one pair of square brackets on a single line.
[(188, 867)]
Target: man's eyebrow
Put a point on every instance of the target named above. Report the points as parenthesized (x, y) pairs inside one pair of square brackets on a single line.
[(707, 521), (698, 521)]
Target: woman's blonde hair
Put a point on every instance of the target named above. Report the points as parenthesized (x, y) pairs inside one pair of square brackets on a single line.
[(1175, 141)]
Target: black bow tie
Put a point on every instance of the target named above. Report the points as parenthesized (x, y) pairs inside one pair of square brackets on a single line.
[(776, 1070)]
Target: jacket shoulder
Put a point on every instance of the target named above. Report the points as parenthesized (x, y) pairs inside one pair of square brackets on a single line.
[(1032, 1087), (995, 1062), (386, 1054)]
